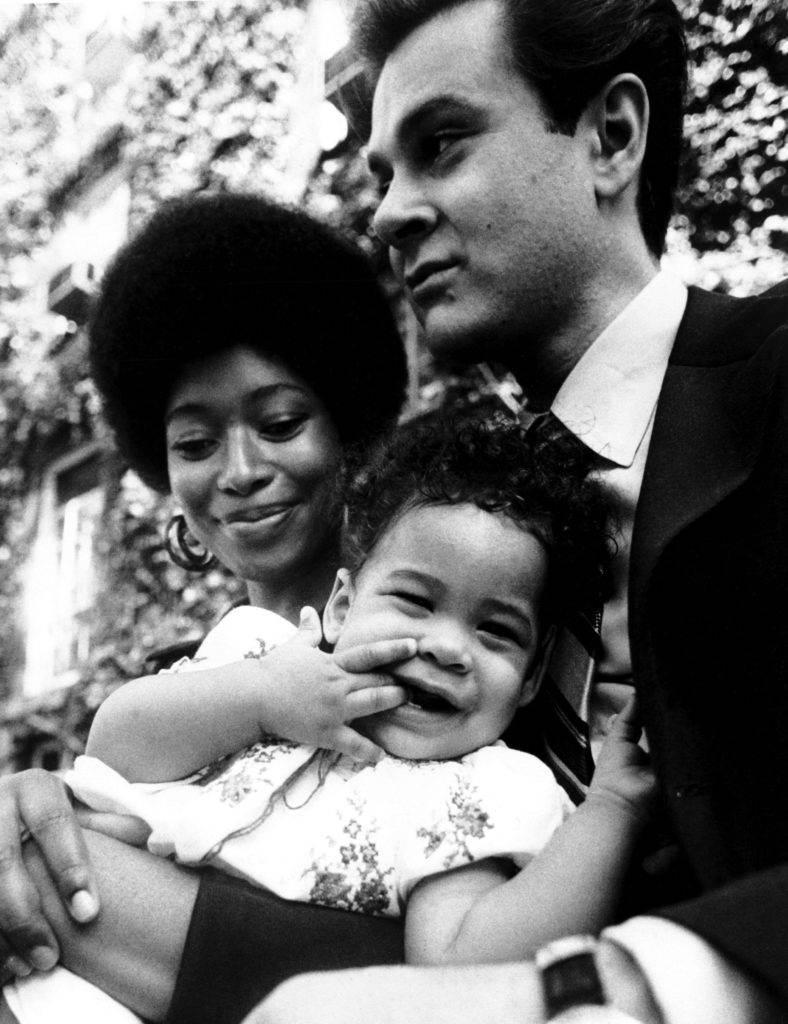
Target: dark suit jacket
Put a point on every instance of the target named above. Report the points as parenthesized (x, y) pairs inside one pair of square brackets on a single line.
[(709, 619), (708, 609)]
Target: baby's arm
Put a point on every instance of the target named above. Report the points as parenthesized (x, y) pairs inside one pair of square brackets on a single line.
[(164, 727), (479, 913)]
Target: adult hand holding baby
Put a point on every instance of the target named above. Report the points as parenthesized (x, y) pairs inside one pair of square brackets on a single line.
[(37, 802)]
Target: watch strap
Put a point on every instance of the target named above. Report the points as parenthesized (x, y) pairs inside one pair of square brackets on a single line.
[(569, 974)]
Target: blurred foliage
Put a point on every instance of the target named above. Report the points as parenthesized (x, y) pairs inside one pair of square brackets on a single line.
[(732, 210), (213, 106), (205, 102), (734, 174), (147, 601), (342, 192), (37, 398)]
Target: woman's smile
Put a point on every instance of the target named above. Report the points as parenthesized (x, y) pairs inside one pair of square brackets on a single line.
[(252, 461), (259, 526), (257, 514)]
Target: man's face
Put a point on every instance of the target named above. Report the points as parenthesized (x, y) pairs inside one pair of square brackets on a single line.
[(487, 213)]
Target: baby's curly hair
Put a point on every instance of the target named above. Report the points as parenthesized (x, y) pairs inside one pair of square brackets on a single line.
[(208, 273), (539, 482)]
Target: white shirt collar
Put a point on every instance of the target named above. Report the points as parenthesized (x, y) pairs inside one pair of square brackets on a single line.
[(610, 395)]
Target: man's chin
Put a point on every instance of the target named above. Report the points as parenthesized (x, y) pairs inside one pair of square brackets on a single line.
[(455, 340), (454, 347)]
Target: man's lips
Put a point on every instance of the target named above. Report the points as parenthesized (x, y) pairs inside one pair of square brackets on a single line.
[(424, 271), (257, 513)]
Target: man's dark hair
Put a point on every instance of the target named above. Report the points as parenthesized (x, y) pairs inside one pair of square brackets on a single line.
[(567, 50), (538, 482), (207, 273)]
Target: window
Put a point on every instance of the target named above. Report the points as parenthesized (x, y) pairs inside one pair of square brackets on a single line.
[(61, 581)]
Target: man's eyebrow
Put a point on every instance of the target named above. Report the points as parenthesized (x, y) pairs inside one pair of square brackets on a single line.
[(443, 105)]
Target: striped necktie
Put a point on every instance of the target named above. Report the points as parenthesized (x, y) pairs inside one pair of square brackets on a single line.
[(562, 706)]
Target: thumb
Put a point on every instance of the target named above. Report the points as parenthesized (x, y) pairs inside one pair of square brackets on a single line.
[(310, 631)]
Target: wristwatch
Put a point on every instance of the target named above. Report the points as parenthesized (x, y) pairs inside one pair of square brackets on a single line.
[(571, 986)]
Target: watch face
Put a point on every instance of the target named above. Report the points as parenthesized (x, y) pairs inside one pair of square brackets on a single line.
[(593, 1015)]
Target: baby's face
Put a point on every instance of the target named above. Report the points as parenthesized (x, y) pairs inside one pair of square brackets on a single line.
[(467, 585)]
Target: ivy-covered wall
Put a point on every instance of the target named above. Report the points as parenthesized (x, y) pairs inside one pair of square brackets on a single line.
[(732, 217), (204, 100), (207, 100)]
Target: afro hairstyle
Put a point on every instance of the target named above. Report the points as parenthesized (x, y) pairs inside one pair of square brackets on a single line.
[(208, 273)]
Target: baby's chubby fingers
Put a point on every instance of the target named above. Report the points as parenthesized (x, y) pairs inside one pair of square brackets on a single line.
[(375, 655), (371, 700), (310, 631), (358, 747), (626, 725)]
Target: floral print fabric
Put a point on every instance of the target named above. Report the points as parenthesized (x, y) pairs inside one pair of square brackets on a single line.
[(315, 826)]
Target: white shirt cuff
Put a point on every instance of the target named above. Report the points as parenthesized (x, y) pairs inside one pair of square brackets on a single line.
[(691, 981)]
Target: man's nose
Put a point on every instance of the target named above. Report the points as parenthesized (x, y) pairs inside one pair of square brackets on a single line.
[(404, 215), (246, 465), (447, 646)]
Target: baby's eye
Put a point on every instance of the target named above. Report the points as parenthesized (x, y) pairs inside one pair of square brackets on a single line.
[(413, 599), (503, 632)]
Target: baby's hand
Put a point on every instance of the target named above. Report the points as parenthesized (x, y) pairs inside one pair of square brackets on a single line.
[(310, 696), (623, 775)]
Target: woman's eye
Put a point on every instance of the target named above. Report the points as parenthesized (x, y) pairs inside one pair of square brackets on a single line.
[(283, 429), (194, 448)]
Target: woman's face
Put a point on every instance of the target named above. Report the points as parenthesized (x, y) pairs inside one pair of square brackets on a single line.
[(252, 455)]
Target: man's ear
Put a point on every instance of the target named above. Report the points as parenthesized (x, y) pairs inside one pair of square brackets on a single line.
[(533, 681), (618, 117), (337, 606)]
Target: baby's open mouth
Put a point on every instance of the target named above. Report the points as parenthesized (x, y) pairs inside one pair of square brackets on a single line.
[(427, 701)]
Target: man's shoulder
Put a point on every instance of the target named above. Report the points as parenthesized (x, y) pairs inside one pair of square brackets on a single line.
[(775, 295), (718, 328)]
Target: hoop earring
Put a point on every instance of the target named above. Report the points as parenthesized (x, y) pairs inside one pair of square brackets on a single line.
[(183, 548)]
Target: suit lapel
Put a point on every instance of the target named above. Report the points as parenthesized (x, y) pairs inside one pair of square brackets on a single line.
[(707, 429), (708, 435)]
